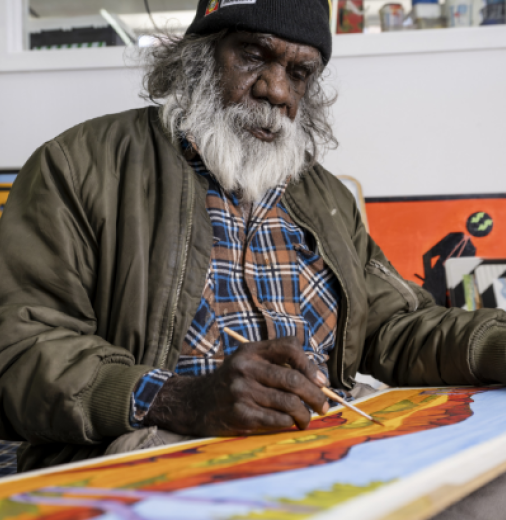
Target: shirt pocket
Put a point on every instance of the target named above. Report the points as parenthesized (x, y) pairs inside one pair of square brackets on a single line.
[(401, 286), (203, 337)]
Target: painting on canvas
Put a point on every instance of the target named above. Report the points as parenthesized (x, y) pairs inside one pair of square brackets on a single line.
[(342, 466), (6, 180)]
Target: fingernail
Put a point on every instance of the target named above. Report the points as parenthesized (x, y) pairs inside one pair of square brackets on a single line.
[(322, 379), (325, 409)]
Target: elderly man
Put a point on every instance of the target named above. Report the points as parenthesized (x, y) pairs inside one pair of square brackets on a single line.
[(130, 242)]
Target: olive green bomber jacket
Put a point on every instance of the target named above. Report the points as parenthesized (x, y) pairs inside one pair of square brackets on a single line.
[(104, 246)]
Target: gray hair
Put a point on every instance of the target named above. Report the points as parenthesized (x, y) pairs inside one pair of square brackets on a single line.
[(174, 68)]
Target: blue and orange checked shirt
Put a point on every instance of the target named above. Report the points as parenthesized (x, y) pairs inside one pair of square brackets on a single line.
[(263, 282)]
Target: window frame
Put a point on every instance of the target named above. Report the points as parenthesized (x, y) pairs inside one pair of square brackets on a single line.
[(16, 57)]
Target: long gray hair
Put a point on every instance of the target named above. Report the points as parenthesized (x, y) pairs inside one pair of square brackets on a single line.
[(174, 68)]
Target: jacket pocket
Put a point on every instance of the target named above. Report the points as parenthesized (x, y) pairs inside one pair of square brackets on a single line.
[(378, 269)]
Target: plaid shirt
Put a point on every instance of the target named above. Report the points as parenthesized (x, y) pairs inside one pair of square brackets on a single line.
[(144, 394), (8, 461), (263, 282)]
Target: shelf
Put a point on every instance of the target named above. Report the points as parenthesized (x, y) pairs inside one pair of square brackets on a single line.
[(345, 46), (65, 59), (420, 42)]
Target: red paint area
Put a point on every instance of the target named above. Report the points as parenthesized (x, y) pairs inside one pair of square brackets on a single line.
[(455, 410)]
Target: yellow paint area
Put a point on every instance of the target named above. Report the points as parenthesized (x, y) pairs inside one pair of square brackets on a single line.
[(320, 500)]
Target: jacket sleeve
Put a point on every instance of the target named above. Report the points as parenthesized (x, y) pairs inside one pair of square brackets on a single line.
[(410, 341), (59, 382)]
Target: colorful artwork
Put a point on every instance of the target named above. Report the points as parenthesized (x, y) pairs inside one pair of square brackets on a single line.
[(350, 16), (4, 193), (343, 466), (6, 180), (418, 234)]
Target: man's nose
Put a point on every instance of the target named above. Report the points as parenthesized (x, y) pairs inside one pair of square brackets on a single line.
[(273, 86)]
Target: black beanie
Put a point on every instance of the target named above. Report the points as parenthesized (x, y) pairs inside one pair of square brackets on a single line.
[(299, 21)]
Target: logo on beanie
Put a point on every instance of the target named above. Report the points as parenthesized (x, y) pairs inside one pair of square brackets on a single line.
[(226, 3), (212, 6)]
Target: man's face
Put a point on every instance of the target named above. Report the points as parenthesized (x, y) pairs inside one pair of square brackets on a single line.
[(245, 108), (256, 68)]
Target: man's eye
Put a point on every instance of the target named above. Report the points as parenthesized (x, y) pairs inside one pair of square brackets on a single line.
[(299, 74), (253, 57)]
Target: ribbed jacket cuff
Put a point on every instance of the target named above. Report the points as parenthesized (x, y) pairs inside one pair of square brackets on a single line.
[(489, 356), (107, 403)]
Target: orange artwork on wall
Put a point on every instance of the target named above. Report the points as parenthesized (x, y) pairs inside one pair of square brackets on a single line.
[(419, 234)]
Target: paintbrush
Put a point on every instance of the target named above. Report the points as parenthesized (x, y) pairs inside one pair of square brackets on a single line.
[(327, 391)]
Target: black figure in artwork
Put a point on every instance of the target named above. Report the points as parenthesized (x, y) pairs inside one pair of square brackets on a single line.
[(453, 245)]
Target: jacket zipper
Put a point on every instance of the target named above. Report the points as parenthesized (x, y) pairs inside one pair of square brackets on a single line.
[(393, 279), (321, 251), (184, 256)]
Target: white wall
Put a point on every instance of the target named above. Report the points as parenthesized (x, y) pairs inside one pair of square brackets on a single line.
[(418, 113), (37, 106), (422, 123)]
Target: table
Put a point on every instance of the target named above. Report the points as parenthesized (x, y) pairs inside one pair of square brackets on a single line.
[(486, 503)]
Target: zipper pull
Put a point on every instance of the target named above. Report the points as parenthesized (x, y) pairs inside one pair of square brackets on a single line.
[(381, 267)]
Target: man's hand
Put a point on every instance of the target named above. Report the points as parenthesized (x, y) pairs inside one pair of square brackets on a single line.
[(252, 392)]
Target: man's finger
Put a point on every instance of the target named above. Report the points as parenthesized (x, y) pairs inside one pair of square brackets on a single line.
[(258, 419), (292, 382), (288, 351), (285, 402)]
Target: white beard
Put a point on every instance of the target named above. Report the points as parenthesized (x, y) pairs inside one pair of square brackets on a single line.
[(237, 159)]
